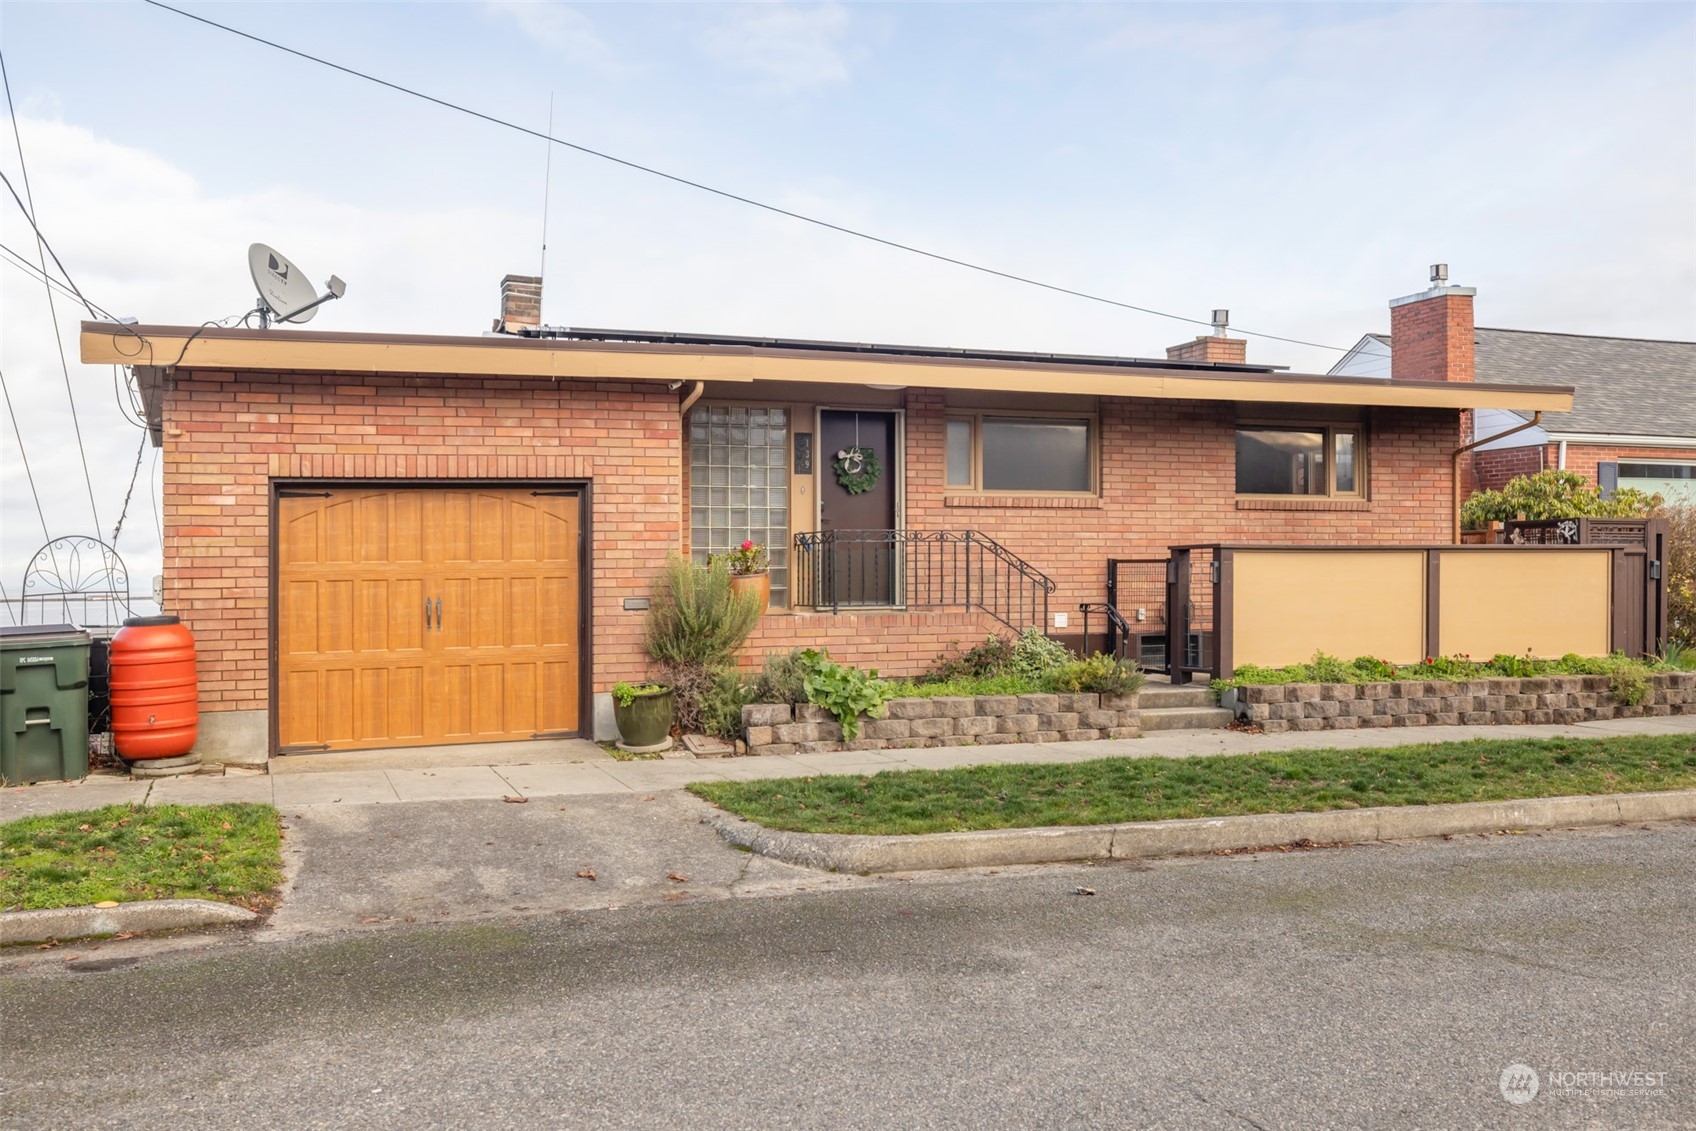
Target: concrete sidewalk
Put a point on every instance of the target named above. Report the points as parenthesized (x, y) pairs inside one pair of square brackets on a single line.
[(592, 771)]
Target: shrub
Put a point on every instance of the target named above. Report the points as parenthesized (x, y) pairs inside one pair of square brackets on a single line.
[(1629, 683), (782, 680), (1100, 673), (721, 706), (1552, 493), (696, 617), (1328, 669), (1035, 655), (1517, 666), (985, 660), (1680, 573), (1370, 669), (845, 692), (690, 683)]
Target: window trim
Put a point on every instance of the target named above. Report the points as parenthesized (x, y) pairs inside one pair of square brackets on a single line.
[(975, 417), (1330, 429)]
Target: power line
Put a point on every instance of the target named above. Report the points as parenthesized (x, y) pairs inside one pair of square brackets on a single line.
[(13, 259), (52, 307), (134, 473), (724, 193), (25, 456)]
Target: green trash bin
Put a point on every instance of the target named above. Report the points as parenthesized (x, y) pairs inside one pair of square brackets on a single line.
[(43, 703)]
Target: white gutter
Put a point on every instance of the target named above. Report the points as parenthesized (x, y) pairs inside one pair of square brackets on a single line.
[(1621, 440)]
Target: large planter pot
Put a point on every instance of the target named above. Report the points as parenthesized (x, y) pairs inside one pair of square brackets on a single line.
[(759, 583), (645, 723)]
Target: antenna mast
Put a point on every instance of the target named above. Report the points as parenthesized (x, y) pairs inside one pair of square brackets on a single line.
[(547, 178)]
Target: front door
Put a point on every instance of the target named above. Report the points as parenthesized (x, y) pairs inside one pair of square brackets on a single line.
[(861, 550)]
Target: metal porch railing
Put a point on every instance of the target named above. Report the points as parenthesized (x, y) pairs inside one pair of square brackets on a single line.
[(919, 569)]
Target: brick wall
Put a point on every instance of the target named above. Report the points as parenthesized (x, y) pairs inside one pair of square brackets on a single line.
[(227, 435), (1431, 339), (1583, 458), (1495, 466), (1168, 477)]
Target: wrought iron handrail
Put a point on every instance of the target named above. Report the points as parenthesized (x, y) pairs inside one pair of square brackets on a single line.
[(967, 569), (1118, 629)]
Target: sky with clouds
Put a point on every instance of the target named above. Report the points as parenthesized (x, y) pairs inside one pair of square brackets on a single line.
[(1299, 165)]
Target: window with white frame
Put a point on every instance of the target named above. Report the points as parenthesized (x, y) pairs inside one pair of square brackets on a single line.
[(739, 485)]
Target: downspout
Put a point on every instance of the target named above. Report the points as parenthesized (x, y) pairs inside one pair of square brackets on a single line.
[(1560, 460), (694, 395), (1454, 462)]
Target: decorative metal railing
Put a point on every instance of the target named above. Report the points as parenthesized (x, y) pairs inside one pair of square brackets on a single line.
[(919, 569)]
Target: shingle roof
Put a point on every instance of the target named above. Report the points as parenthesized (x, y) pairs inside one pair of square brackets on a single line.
[(1623, 386)]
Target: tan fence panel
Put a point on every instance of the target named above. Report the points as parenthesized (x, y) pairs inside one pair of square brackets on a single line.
[(1545, 602), (1288, 604)]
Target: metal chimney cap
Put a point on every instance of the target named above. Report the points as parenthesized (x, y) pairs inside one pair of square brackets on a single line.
[(1221, 319), (1439, 274)]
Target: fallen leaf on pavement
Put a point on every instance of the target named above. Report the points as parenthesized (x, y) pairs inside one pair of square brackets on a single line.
[(124, 935), (650, 797), (677, 876), (673, 897), (1083, 891), (48, 945), (585, 873), (107, 903), (515, 800), (370, 918)]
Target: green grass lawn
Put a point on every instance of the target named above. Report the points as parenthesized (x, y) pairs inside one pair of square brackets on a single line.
[(231, 853), (1154, 789)]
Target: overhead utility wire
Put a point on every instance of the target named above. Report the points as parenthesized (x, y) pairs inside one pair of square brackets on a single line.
[(725, 193), (30, 475), (13, 259), (52, 307)]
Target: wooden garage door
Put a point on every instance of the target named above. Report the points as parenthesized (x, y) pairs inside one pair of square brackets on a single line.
[(414, 616)]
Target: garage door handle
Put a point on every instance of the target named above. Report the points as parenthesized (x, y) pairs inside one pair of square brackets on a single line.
[(438, 614), (426, 614)]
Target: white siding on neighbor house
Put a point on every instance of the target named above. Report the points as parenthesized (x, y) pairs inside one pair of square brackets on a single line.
[(1370, 357), (1495, 421)]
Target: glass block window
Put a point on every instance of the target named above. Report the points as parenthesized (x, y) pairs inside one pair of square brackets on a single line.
[(739, 485)]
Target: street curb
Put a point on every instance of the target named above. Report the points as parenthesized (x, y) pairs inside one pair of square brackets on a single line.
[(148, 915), (838, 852)]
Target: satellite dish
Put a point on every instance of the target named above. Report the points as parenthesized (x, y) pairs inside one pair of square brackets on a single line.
[(285, 293)]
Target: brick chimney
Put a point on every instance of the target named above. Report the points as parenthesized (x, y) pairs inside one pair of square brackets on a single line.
[(1431, 332), (521, 303), (1212, 347)]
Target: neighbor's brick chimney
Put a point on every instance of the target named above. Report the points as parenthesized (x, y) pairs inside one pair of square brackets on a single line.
[(1212, 347), (521, 303), (1431, 332)]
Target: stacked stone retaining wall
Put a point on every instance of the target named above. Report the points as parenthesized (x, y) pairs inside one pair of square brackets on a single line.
[(984, 720), (1477, 702)]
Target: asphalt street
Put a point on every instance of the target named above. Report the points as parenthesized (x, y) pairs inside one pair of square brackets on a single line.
[(1382, 986)]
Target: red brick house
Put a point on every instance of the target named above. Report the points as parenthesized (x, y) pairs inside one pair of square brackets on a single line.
[(390, 540), (1633, 418)]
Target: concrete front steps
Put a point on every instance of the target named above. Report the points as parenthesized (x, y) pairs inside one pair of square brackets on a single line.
[(1191, 707)]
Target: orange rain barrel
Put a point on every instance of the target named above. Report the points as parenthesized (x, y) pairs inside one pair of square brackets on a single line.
[(155, 700)]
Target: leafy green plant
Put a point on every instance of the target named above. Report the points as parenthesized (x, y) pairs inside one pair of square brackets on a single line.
[(845, 692), (1680, 656), (1681, 572), (627, 693), (988, 659), (1100, 673), (968, 686), (782, 680), (696, 617), (721, 706), (1035, 655), (1368, 669), (1629, 684), (1552, 493)]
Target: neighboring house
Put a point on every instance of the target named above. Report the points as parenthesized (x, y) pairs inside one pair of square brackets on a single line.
[(1633, 419), (392, 540)]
